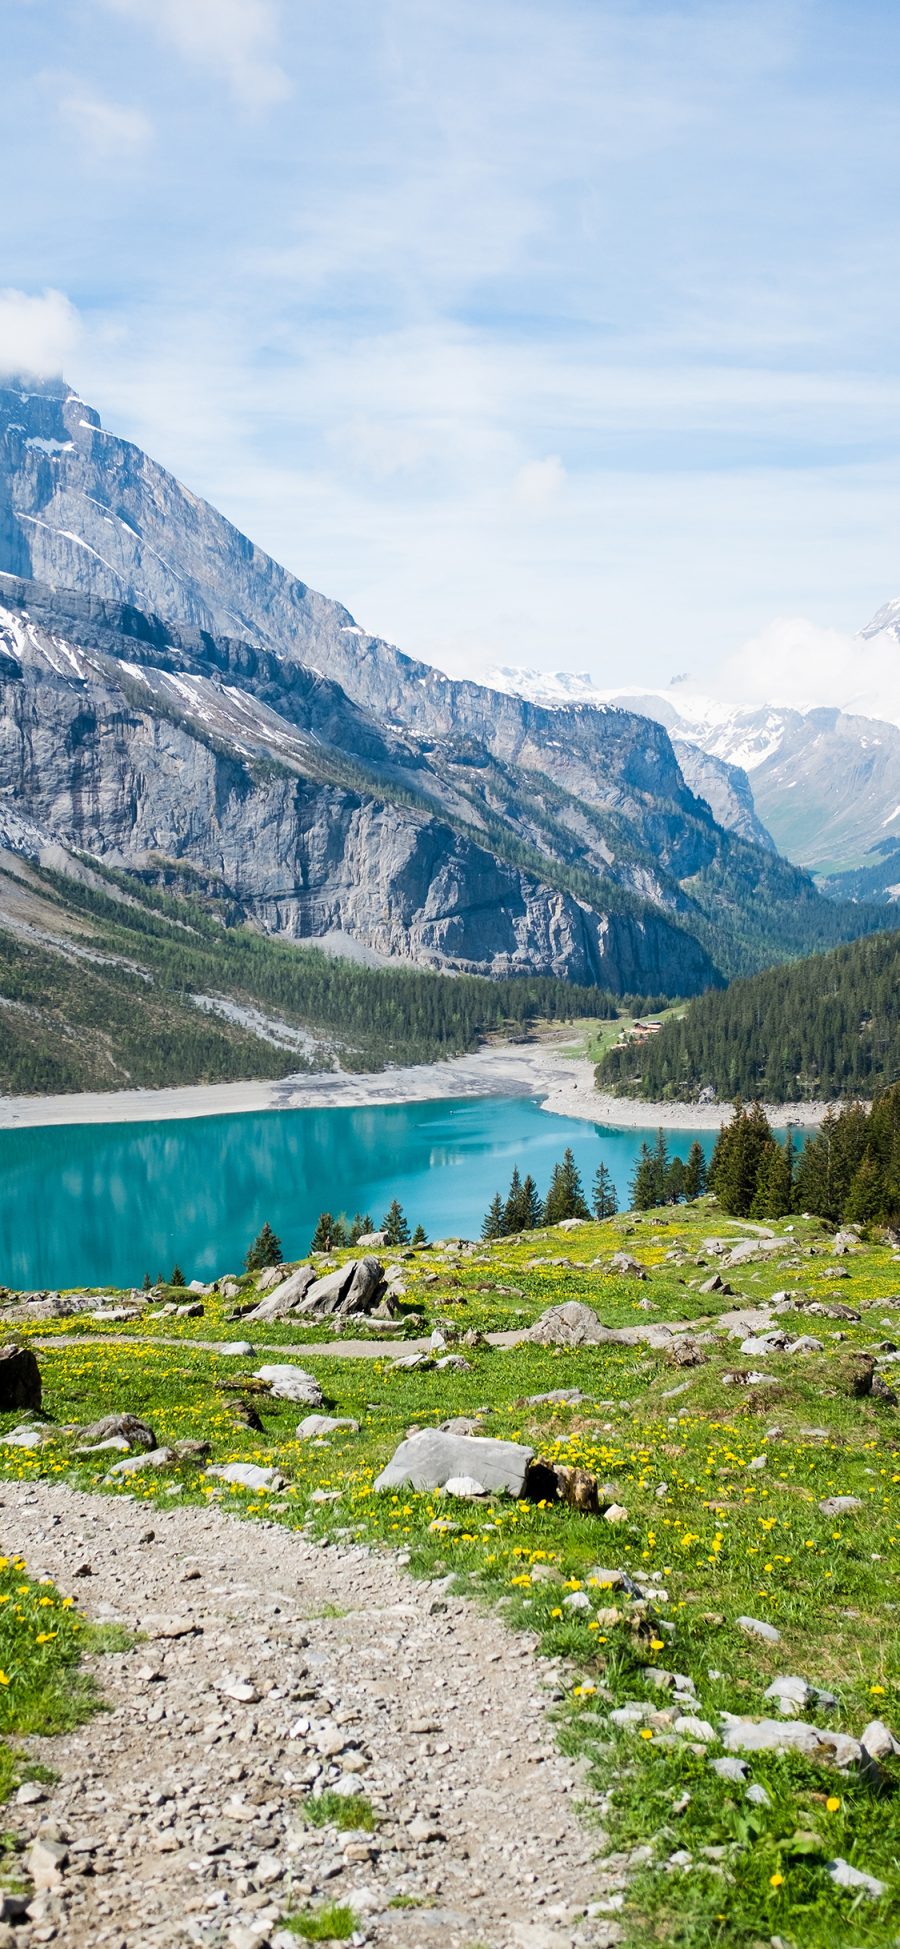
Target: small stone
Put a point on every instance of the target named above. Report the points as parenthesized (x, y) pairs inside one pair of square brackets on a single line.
[(30, 1793), (757, 1796), (423, 1830), (840, 1505), (616, 1513), (45, 1862), (846, 1876), (878, 1740), (577, 1600), (730, 1768), (692, 1727), (755, 1627), (242, 1690)]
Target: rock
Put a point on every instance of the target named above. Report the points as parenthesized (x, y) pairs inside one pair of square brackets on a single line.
[(411, 1362), (729, 1768), (249, 1475), (789, 1736), (840, 1505), (565, 1396), (191, 1451), (685, 1352), (352, 1288), (756, 1628), (615, 1580), (883, 1392), (285, 1296), (291, 1384), (879, 1741), (152, 1458), (578, 1488), (45, 1861), (715, 1285), (616, 1513), (20, 1379), (126, 1427), (231, 1349), (461, 1424), (692, 1727), (116, 1444), (30, 1794), (271, 1275), (571, 1325), (455, 1361), (375, 1239), (431, 1459), (465, 1487), (545, 1573), (317, 1425), (748, 1249), (793, 1694), (806, 1343), (845, 1876), (26, 1437), (763, 1343), (242, 1690), (577, 1600), (626, 1266)]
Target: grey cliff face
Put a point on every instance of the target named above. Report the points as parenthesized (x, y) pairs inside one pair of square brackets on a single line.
[(726, 789), (134, 762)]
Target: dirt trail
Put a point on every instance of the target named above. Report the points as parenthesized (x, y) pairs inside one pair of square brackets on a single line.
[(270, 1664)]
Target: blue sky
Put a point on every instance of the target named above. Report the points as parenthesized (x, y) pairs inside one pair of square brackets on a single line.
[(560, 334)]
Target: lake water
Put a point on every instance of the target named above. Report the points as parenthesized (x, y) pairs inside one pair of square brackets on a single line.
[(92, 1204)]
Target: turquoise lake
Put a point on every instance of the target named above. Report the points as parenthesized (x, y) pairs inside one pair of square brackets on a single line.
[(91, 1204)]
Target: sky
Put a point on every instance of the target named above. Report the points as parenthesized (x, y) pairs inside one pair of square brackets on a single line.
[(556, 333)]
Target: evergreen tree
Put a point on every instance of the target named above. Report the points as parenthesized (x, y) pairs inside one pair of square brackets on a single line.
[(642, 1188), (866, 1197), (565, 1198), (327, 1233), (532, 1208), (358, 1228), (265, 1251), (147, 1285), (513, 1210), (741, 1147), (775, 1184), (420, 1236), (660, 1156), (394, 1224), (176, 1277), (675, 1177), (695, 1172), (606, 1204), (492, 1226)]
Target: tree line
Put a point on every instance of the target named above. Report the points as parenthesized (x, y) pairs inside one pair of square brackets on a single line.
[(825, 1027), (523, 1208), (848, 1172)]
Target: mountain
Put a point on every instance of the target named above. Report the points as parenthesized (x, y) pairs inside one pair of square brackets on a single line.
[(821, 784), (820, 1028), (173, 700)]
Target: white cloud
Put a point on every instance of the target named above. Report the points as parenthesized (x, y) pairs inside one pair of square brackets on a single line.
[(798, 662), (234, 39), (540, 482), (38, 335), (105, 130)]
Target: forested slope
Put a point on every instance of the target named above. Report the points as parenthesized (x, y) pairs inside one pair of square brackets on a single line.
[(825, 1027)]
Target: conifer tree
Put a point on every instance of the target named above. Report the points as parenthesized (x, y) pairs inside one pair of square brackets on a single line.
[(565, 1198), (513, 1208), (323, 1238), (492, 1226), (532, 1208), (394, 1224), (866, 1197), (176, 1277), (660, 1156), (695, 1172), (147, 1283), (605, 1201), (265, 1251), (775, 1183), (642, 1188), (420, 1236), (675, 1177)]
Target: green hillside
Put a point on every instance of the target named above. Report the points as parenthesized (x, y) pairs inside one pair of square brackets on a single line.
[(825, 1027)]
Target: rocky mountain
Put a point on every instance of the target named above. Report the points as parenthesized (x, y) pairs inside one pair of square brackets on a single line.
[(170, 695), (822, 785)]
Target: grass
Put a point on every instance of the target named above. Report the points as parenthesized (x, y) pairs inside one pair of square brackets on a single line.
[(42, 1688), (721, 1483), (333, 1923), (349, 1812)]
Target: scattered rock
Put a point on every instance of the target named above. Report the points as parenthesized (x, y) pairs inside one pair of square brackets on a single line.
[(730, 1768), (794, 1694), (20, 1379), (755, 1627), (685, 1352), (571, 1325), (120, 1427), (626, 1266), (846, 1876), (151, 1458), (616, 1513), (291, 1384), (430, 1459), (840, 1505), (317, 1425), (249, 1475), (789, 1736), (26, 1437), (879, 1741)]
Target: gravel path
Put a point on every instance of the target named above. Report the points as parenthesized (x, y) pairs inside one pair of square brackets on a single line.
[(270, 1665)]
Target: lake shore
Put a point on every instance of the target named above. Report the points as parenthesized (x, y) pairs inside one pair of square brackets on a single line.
[(563, 1084)]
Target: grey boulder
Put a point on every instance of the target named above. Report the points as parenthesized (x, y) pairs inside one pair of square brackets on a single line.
[(20, 1379), (120, 1427), (431, 1459), (248, 1475), (571, 1325), (291, 1384), (285, 1296)]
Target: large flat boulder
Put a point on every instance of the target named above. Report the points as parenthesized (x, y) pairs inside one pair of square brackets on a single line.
[(291, 1384), (20, 1379), (352, 1288), (571, 1325), (283, 1297), (432, 1459)]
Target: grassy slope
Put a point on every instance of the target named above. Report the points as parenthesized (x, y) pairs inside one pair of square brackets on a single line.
[(726, 1539)]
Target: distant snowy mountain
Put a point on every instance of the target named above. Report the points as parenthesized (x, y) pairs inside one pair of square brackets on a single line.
[(823, 782)]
